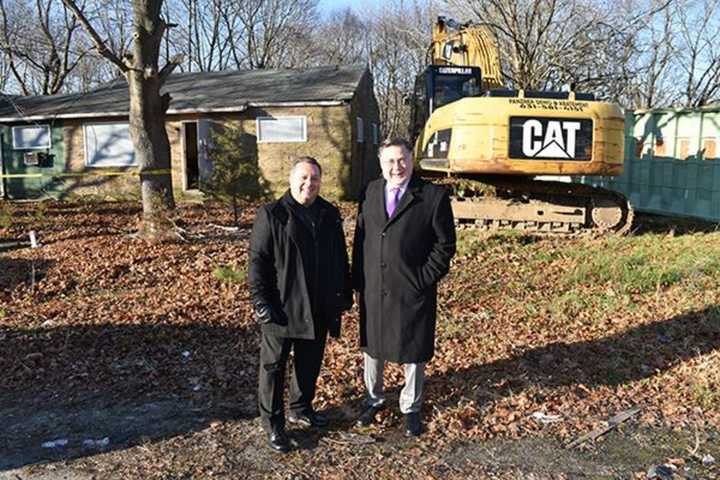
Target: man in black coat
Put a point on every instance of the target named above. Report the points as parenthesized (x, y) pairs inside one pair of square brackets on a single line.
[(299, 282), (404, 241)]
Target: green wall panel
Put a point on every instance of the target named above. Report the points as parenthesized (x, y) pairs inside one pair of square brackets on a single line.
[(33, 187), (672, 173)]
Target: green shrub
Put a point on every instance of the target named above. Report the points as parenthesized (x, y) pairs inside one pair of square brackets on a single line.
[(235, 176)]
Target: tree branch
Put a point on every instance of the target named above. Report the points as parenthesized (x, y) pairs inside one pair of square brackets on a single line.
[(102, 49)]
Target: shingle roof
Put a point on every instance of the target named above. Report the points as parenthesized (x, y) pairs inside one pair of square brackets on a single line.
[(200, 91)]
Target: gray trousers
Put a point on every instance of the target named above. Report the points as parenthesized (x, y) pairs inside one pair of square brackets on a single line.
[(410, 395)]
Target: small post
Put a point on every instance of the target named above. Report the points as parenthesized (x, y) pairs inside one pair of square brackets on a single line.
[(33, 244)]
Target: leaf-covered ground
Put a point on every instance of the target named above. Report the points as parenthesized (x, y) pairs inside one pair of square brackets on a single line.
[(539, 342)]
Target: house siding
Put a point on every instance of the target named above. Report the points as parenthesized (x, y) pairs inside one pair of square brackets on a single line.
[(330, 139), (339, 96), (366, 166), (32, 181)]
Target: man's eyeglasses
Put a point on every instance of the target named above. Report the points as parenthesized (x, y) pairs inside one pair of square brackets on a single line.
[(393, 163)]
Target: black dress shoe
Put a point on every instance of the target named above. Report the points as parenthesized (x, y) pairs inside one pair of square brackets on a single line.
[(413, 424), (367, 417), (310, 419), (278, 440)]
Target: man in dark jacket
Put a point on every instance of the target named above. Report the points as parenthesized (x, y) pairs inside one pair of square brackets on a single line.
[(299, 282), (404, 241)]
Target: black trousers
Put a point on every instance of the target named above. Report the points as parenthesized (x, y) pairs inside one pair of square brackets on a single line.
[(274, 353)]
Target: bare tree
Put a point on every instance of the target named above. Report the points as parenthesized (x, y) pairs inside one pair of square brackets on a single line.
[(399, 39), (147, 109), (221, 34), (37, 38), (270, 26), (698, 52), (649, 82), (545, 44), (343, 38), (205, 33)]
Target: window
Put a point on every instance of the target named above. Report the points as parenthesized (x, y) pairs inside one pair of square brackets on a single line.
[(108, 145), (281, 129), (360, 130), (29, 137), (683, 148), (376, 134), (709, 147)]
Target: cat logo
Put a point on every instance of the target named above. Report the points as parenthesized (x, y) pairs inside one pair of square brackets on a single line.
[(540, 138)]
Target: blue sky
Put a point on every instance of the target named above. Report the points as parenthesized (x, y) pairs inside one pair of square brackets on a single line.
[(357, 5)]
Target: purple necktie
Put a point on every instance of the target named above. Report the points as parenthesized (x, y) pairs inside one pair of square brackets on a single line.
[(393, 201)]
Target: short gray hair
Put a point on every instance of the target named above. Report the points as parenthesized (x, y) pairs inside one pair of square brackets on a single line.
[(309, 160)]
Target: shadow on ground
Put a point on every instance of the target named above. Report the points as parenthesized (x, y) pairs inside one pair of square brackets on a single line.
[(141, 384), (106, 387), (634, 354), (661, 224), (20, 271)]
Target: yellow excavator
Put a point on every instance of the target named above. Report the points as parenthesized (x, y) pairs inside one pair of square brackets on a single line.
[(510, 155)]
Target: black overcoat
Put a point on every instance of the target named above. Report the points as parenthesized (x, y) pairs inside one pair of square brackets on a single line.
[(276, 275), (397, 263)]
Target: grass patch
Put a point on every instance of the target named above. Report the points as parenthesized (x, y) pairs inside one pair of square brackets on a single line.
[(643, 264), (228, 274), (704, 380), (6, 215), (472, 242)]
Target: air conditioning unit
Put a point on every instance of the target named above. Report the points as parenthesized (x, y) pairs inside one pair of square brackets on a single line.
[(31, 158)]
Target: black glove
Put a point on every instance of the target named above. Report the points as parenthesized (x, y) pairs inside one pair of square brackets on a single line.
[(263, 313)]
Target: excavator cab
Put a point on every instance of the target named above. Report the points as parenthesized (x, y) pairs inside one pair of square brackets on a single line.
[(439, 86)]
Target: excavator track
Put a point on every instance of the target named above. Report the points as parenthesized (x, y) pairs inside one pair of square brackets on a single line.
[(541, 207)]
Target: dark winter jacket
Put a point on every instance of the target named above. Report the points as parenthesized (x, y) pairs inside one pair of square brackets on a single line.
[(277, 275), (397, 263)]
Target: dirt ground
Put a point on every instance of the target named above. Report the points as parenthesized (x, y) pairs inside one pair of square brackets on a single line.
[(129, 361), (182, 440)]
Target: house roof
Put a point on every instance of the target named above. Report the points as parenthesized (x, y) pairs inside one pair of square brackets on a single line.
[(225, 91)]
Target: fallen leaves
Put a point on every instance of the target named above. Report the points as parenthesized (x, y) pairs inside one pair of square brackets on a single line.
[(520, 351)]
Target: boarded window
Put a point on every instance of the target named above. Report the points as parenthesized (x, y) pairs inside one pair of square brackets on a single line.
[(108, 145), (281, 129), (683, 148), (660, 149), (360, 130), (639, 146), (710, 148), (29, 137)]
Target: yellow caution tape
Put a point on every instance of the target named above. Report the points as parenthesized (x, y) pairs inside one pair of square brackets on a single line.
[(86, 174), (28, 175)]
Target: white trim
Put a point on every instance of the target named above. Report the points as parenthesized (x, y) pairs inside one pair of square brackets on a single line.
[(42, 147), (2, 169), (321, 103), (34, 118), (303, 118), (85, 147), (183, 153)]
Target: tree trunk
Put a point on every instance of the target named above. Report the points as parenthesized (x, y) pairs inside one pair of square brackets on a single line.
[(147, 111), (147, 122), (235, 210)]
